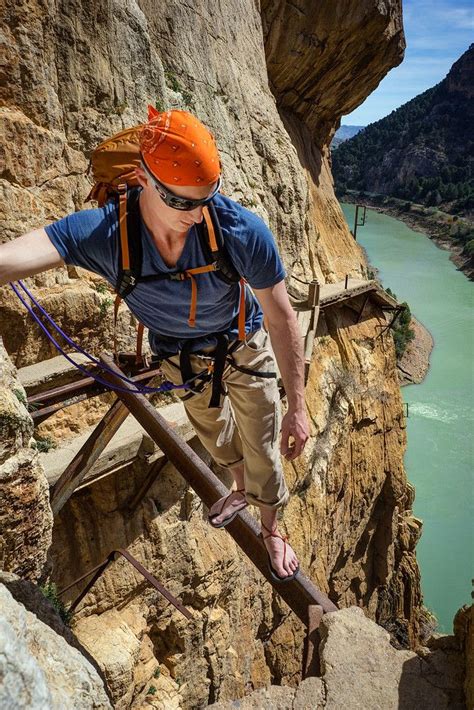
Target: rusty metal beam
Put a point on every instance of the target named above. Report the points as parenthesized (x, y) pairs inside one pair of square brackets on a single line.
[(87, 455), (363, 306), (298, 593), (311, 662), (99, 569), (50, 401), (72, 389), (397, 311)]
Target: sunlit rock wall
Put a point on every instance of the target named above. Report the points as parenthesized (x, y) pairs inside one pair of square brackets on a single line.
[(271, 82)]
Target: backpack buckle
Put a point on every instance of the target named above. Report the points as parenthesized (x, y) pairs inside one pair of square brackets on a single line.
[(128, 279)]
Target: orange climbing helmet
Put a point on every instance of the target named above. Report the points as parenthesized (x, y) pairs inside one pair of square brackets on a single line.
[(178, 149)]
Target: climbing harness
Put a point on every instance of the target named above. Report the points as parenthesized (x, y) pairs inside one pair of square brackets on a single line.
[(194, 383), (129, 275), (131, 256), (112, 166)]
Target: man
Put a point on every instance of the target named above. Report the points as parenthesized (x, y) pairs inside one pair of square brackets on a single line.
[(179, 173)]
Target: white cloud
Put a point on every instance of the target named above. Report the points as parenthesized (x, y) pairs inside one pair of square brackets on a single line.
[(459, 18)]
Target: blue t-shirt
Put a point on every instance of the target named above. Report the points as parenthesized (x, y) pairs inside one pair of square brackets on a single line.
[(90, 239)]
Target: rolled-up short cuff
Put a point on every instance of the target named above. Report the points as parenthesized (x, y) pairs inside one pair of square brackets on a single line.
[(239, 462), (253, 500)]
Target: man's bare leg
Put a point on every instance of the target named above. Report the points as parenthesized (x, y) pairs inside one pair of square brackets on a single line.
[(274, 545), (235, 502)]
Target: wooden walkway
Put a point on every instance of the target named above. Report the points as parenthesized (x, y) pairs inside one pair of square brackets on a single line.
[(322, 297)]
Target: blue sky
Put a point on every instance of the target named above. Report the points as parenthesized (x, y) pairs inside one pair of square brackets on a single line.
[(437, 32)]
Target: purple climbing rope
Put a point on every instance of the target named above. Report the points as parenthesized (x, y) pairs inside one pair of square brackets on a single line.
[(139, 389)]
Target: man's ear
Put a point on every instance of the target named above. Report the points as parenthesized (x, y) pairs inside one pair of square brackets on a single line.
[(141, 177)]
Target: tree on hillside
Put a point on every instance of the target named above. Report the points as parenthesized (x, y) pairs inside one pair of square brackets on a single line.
[(430, 135)]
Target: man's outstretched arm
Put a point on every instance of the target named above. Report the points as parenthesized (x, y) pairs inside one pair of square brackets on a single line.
[(288, 348), (27, 255)]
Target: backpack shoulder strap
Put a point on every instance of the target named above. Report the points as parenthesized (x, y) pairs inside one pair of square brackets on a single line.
[(130, 243), (129, 259), (213, 245)]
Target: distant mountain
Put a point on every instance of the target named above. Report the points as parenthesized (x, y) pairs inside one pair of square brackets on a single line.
[(344, 133), (422, 152)]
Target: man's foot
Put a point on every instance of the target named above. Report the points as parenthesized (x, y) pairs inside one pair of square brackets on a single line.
[(226, 508), (282, 561)]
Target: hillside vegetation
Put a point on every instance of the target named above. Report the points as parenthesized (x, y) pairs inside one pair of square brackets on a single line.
[(422, 152)]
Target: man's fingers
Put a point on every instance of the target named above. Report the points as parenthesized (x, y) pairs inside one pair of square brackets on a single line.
[(285, 439), (293, 450), (284, 445), (293, 438)]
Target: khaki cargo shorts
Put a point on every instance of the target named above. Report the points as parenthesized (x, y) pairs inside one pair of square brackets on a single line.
[(246, 428)]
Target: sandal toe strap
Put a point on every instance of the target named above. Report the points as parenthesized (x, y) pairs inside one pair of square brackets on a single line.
[(272, 533), (237, 490)]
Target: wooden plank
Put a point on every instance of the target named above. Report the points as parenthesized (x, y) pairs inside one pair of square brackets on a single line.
[(88, 455)]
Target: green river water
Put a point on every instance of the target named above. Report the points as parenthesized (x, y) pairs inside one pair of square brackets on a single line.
[(439, 459)]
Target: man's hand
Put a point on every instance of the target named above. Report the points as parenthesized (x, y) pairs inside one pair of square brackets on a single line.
[(294, 433)]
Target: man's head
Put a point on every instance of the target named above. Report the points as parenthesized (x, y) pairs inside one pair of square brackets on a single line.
[(180, 165)]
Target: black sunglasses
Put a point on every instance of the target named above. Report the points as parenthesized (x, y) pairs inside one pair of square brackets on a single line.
[(176, 201)]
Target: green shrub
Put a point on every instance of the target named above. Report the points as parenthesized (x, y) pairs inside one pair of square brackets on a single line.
[(469, 248), (102, 287), (104, 306), (49, 590), (402, 333), (43, 444)]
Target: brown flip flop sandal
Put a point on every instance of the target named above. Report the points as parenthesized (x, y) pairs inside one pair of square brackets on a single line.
[(272, 570), (231, 517)]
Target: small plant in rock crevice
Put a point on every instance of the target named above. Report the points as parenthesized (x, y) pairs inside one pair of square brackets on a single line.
[(43, 444), (19, 394), (50, 592)]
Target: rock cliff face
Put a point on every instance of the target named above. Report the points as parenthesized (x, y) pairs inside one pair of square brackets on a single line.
[(360, 675), (26, 520), (272, 98), (40, 664)]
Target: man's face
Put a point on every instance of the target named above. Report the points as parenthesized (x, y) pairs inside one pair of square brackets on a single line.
[(172, 218)]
